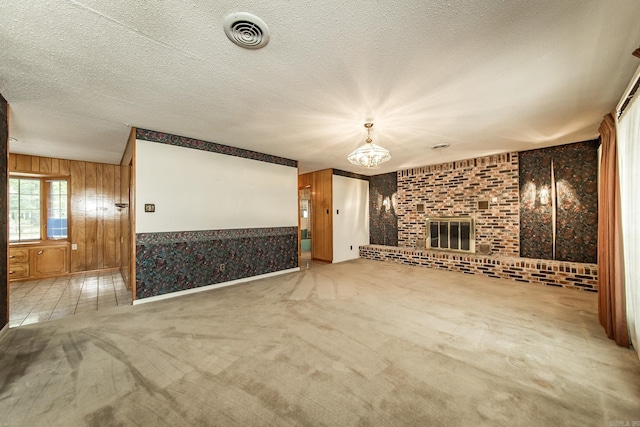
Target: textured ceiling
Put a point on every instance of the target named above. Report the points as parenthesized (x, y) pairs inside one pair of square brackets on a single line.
[(484, 76)]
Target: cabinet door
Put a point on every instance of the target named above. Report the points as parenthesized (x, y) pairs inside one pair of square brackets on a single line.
[(49, 261)]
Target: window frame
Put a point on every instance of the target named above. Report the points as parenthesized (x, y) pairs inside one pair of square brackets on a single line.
[(44, 205)]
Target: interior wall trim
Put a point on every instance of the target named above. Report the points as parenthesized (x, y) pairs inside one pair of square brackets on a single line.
[(496, 159), (204, 235), (351, 175), (215, 286), (198, 144)]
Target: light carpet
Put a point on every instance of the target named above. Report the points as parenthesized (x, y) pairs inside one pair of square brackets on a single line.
[(355, 343)]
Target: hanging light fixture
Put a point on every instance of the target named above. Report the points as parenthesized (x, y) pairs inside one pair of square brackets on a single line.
[(369, 155)]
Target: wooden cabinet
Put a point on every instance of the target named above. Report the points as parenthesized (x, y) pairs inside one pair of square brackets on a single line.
[(18, 263), (38, 260)]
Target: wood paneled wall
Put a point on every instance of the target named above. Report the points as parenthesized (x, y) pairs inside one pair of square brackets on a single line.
[(95, 222), (321, 212)]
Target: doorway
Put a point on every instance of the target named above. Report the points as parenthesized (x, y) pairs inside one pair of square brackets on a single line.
[(305, 226)]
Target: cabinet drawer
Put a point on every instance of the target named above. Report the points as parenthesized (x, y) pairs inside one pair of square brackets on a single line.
[(18, 256), (18, 271)]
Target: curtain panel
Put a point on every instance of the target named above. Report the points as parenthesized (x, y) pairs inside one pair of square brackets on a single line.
[(611, 280), (628, 140)]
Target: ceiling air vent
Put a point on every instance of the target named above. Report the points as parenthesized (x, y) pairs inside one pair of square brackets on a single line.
[(246, 30)]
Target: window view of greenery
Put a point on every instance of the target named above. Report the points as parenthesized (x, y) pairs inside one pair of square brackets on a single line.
[(24, 209), (57, 209), (27, 204)]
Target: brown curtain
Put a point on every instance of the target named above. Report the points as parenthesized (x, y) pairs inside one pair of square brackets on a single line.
[(611, 298)]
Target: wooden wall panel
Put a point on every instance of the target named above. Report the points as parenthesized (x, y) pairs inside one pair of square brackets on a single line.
[(65, 168), (94, 227), (23, 163), (108, 227), (117, 213), (11, 160), (100, 217), (55, 166), (45, 165), (91, 223), (78, 216)]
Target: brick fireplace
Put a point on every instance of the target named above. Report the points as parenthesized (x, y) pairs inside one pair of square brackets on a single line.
[(487, 191)]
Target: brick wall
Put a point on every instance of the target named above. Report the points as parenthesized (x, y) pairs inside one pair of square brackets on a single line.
[(553, 273), (454, 189)]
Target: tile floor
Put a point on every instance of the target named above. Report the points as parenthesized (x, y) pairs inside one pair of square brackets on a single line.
[(47, 299)]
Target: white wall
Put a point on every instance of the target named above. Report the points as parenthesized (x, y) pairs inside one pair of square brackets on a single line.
[(200, 190), (351, 224)]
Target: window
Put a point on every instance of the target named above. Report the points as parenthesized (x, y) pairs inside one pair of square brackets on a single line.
[(38, 207), (57, 209), (24, 209)]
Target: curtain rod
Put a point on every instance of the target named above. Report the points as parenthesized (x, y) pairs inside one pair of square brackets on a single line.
[(629, 98), (631, 90)]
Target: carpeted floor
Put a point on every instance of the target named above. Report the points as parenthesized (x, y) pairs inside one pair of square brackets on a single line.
[(356, 343)]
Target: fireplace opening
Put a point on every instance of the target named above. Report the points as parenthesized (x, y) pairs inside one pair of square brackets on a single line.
[(451, 234)]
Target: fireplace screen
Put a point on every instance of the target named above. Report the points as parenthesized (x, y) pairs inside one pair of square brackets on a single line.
[(452, 234)]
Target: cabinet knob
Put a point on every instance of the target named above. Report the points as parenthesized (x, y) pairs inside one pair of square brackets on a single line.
[(11, 256), (11, 271), (40, 252)]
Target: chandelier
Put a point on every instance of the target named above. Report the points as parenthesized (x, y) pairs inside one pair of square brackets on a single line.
[(369, 155)]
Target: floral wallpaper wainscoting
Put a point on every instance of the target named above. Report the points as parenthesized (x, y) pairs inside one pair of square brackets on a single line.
[(170, 262)]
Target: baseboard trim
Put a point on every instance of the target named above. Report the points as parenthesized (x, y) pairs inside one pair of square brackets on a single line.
[(210, 287), (75, 273)]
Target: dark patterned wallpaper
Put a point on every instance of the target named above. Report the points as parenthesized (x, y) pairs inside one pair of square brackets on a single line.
[(4, 136), (571, 173), (383, 219), (536, 232), (198, 144), (170, 262), (346, 174), (576, 175)]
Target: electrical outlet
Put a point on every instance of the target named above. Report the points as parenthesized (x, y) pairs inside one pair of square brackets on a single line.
[(149, 207), (74, 246), (222, 267)]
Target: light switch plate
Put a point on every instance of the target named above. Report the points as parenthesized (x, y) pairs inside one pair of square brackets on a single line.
[(149, 207)]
